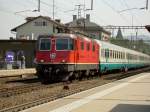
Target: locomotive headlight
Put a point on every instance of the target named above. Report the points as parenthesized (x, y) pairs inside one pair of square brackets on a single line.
[(41, 61), (63, 61)]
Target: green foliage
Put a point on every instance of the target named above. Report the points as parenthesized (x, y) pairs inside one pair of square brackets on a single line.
[(119, 34)]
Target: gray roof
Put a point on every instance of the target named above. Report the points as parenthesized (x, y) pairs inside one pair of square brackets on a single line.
[(86, 24), (29, 19)]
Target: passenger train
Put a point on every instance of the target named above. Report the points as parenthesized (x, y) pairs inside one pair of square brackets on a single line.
[(114, 57), (68, 56)]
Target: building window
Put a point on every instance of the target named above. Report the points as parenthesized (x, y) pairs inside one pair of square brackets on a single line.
[(44, 23), (40, 23)]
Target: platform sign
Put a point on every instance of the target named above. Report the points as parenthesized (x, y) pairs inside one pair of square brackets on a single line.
[(9, 56)]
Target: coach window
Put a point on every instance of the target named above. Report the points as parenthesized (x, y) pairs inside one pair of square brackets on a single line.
[(120, 55), (128, 56), (123, 55), (102, 53), (117, 55), (107, 53), (110, 53), (113, 54)]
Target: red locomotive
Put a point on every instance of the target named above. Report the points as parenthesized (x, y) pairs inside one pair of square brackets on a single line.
[(66, 56)]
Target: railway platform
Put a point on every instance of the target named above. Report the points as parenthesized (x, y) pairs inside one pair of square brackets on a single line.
[(16, 72), (131, 94)]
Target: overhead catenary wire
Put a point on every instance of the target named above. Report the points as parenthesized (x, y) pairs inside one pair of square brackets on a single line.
[(105, 2)]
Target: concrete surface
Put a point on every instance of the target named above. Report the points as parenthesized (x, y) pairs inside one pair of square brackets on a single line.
[(16, 72), (127, 95)]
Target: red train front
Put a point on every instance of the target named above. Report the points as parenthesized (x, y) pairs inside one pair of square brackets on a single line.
[(64, 56)]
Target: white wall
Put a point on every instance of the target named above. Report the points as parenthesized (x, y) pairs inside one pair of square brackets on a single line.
[(30, 30)]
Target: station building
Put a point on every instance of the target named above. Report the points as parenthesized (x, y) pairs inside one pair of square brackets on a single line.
[(35, 26), (89, 28)]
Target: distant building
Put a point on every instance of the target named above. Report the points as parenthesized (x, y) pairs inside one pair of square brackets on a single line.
[(35, 26), (90, 28)]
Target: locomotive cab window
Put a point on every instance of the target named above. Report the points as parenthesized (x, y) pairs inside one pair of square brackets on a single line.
[(64, 44), (45, 44)]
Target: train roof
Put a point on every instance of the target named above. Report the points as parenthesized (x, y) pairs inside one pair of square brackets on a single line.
[(64, 35)]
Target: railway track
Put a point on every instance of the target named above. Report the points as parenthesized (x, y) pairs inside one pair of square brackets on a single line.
[(122, 75), (75, 89), (7, 92)]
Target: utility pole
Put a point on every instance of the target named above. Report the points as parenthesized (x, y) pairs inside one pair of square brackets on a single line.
[(146, 4), (91, 4), (38, 5), (53, 9), (79, 10)]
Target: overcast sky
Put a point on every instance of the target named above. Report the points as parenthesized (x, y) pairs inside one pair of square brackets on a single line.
[(105, 12)]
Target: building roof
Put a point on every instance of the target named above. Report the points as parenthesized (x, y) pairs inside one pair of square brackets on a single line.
[(86, 24), (81, 22), (30, 19)]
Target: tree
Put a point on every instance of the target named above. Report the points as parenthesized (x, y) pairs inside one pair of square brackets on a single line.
[(119, 35)]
